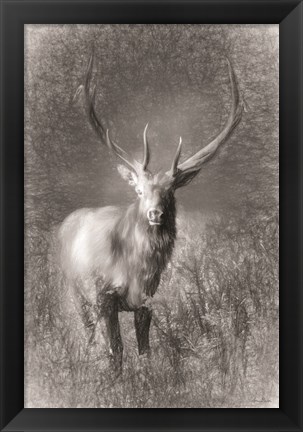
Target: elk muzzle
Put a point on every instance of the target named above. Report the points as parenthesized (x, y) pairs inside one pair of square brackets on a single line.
[(154, 216)]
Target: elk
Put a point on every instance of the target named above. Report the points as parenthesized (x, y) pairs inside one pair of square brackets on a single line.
[(122, 253)]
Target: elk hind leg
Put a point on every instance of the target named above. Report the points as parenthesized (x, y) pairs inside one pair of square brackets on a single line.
[(89, 320), (86, 313)]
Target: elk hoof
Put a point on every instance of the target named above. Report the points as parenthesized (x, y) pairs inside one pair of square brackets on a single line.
[(146, 353)]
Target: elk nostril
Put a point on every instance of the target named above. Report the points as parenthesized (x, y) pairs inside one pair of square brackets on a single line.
[(154, 213), (151, 214)]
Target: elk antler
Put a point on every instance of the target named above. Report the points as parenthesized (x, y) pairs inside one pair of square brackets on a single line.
[(187, 170), (146, 150), (90, 96), (174, 167)]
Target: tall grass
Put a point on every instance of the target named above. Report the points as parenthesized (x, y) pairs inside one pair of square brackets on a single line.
[(214, 335)]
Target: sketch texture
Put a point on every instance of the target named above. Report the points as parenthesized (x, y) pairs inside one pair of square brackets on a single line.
[(151, 207)]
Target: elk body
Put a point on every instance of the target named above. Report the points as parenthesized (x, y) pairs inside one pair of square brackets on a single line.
[(122, 253)]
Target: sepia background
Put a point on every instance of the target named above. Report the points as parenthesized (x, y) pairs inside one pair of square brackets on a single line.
[(214, 334)]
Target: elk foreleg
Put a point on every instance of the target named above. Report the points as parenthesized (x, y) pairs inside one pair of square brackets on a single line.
[(113, 330), (142, 324)]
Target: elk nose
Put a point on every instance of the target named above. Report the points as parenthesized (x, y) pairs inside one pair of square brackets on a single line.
[(155, 216)]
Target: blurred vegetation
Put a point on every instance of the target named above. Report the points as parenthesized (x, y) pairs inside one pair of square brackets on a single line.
[(214, 336)]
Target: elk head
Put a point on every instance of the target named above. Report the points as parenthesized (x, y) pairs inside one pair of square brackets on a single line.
[(155, 191)]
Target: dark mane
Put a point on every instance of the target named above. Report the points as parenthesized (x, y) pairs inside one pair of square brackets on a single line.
[(145, 249)]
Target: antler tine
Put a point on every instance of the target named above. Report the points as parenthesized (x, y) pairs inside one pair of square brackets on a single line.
[(90, 96), (174, 168), (146, 150), (119, 151)]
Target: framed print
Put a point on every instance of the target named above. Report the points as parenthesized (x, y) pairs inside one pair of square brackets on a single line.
[(151, 162)]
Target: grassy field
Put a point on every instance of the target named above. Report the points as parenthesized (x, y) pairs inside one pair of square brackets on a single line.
[(214, 335)]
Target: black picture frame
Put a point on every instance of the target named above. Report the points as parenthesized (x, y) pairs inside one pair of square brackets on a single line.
[(14, 14)]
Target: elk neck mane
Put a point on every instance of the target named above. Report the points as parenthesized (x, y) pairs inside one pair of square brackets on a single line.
[(145, 249)]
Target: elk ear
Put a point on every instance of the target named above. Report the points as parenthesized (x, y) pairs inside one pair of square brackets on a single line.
[(128, 175)]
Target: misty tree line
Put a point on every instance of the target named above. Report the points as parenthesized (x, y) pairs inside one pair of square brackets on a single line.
[(216, 314)]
